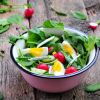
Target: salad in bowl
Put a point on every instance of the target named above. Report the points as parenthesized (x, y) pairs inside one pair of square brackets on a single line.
[(53, 51)]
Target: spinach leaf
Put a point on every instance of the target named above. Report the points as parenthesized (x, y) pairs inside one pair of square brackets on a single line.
[(13, 39), (90, 43), (4, 28), (23, 60), (34, 37), (79, 15), (98, 41), (53, 24)]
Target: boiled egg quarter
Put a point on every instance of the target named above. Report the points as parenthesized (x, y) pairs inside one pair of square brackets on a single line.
[(37, 52), (58, 68), (68, 48)]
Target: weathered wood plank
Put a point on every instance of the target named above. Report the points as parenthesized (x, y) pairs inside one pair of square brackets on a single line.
[(12, 84)]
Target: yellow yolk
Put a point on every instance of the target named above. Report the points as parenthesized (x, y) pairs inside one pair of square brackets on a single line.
[(68, 48), (58, 68), (36, 51)]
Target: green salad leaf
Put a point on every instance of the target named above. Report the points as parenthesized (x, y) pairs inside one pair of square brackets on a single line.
[(4, 2), (34, 37), (79, 15), (53, 24)]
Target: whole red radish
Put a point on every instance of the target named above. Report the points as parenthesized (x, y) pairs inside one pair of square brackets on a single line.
[(29, 12)]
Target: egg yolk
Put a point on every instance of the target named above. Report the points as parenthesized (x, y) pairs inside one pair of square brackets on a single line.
[(36, 51), (57, 66), (68, 48)]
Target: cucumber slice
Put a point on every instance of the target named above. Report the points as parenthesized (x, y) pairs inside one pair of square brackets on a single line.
[(49, 59), (38, 71)]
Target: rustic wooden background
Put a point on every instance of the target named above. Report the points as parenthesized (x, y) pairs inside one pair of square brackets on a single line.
[(12, 84)]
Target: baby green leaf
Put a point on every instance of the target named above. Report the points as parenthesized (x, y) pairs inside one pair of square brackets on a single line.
[(92, 87), (53, 24), (15, 19), (79, 15)]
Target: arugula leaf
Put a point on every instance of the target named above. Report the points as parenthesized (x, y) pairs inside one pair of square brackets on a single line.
[(79, 15), (53, 24), (15, 19)]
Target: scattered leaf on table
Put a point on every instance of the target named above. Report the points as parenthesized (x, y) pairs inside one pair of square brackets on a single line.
[(58, 12), (15, 19), (79, 15), (4, 25), (92, 87), (98, 22)]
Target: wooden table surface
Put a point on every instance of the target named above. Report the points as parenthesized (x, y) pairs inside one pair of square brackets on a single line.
[(12, 84)]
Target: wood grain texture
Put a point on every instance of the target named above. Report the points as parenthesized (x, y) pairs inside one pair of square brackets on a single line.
[(12, 85)]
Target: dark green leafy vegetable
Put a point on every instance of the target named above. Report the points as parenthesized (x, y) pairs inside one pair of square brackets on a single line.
[(1, 96), (4, 25), (79, 15), (4, 2), (53, 24), (3, 10), (35, 35), (4, 28), (13, 39), (92, 87)]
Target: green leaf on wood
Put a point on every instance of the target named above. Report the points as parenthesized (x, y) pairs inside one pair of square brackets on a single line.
[(58, 12), (92, 87), (15, 19), (79, 15)]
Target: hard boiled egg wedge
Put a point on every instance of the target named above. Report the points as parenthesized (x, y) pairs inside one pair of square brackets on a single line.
[(37, 52), (69, 49), (58, 68)]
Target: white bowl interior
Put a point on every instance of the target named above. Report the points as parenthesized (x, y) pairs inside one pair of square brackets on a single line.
[(20, 44)]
